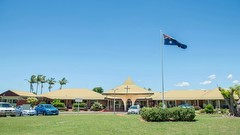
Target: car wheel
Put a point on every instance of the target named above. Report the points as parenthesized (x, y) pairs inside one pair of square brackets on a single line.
[(44, 113), (21, 114)]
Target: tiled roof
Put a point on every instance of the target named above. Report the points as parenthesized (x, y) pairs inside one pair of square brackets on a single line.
[(73, 93), (188, 95), (23, 93), (128, 87)]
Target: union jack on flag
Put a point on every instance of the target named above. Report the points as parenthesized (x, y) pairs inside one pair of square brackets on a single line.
[(171, 41)]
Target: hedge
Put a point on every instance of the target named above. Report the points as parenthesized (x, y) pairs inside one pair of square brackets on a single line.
[(168, 114), (81, 104)]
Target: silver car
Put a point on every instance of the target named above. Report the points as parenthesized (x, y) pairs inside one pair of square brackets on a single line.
[(6, 109), (25, 110), (135, 109)]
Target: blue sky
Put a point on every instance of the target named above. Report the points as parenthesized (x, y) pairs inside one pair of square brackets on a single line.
[(102, 43)]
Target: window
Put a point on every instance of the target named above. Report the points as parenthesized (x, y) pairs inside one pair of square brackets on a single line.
[(14, 101)]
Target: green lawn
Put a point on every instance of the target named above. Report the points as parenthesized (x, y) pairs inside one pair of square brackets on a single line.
[(109, 124)]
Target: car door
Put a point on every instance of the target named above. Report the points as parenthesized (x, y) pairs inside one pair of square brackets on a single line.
[(39, 109), (18, 110)]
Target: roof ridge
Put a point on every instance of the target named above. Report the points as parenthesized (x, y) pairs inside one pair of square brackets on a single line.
[(129, 81)]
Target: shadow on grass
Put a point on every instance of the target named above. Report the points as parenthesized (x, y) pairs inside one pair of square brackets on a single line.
[(170, 121)]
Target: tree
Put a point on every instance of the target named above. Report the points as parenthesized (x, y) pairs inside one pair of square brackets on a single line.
[(149, 89), (63, 82), (237, 90), (228, 96), (42, 81), (39, 77), (32, 101), (32, 80), (98, 90), (51, 82)]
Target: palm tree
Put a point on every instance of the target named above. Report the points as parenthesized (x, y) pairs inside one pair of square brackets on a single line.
[(38, 81), (42, 80), (63, 82), (32, 80), (51, 82)]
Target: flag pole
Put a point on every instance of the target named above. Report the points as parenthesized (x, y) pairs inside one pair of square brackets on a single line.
[(162, 41)]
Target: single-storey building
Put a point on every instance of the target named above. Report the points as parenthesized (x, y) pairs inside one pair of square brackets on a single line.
[(69, 95), (128, 94), (15, 97), (124, 96), (192, 97)]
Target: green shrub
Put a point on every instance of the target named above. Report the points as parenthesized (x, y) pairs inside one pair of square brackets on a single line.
[(197, 108), (57, 103), (175, 113), (224, 111), (160, 105), (209, 108), (202, 111), (42, 102), (145, 113), (96, 106), (81, 104), (32, 101), (168, 114), (186, 114)]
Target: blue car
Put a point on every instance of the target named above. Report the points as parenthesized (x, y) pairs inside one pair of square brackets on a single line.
[(46, 109)]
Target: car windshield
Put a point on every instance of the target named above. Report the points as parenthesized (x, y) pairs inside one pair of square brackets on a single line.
[(133, 107), (26, 107), (5, 105), (48, 106)]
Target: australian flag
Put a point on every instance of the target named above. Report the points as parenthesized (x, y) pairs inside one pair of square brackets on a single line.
[(171, 41)]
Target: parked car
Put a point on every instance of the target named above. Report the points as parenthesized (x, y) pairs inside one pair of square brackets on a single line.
[(6, 109), (135, 109), (46, 109), (185, 106), (25, 110)]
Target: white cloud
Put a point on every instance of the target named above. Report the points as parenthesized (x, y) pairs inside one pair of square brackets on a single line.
[(230, 77), (205, 82), (212, 77), (235, 82), (182, 84)]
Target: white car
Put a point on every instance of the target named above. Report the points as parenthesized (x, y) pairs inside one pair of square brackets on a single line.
[(25, 110), (135, 109), (6, 109)]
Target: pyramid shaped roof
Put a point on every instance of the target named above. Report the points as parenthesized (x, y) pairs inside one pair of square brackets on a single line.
[(128, 87)]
